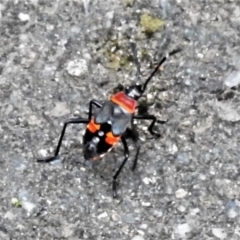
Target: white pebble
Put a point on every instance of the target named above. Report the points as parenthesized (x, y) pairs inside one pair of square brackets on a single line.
[(43, 152), (181, 193), (28, 206), (144, 226), (194, 211), (23, 17), (146, 180), (183, 229), (181, 208), (232, 213), (233, 79), (115, 216), (158, 213), (109, 19), (219, 233), (200, 55), (77, 68), (149, 96), (103, 215), (173, 149), (146, 204), (138, 237)]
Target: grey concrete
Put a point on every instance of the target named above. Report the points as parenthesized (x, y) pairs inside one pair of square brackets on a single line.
[(52, 63)]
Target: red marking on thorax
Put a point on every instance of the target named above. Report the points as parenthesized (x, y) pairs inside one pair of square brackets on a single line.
[(92, 126), (124, 101)]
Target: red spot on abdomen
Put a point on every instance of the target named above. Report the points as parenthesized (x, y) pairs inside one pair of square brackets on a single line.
[(124, 101), (92, 126), (110, 139)]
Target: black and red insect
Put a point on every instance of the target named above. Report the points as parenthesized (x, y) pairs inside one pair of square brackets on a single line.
[(113, 121)]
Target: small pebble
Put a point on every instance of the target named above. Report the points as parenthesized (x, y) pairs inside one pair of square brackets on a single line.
[(183, 229), (24, 194), (138, 237), (23, 17), (68, 230), (182, 158), (28, 206), (34, 120), (194, 211), (86, 4), (181, 193), (103, 215), (232, 213), (146, 180), (173, 149), (227, 111), (77, 68), (233, 79), (166, 7), (109, 19), (219, 233), (43, 152), (115, 216), (233, 208), (146, 204), (144, 226), (158, 213), (181, 208)]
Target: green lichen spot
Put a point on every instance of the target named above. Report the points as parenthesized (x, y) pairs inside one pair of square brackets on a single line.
[(128, 3), (117, 59), (150, 24), (16, 202)]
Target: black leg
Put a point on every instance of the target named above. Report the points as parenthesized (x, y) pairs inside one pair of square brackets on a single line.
[(136, 158), (148, 117), (93, 102), (70, 121), (126, 155), (133, 135)]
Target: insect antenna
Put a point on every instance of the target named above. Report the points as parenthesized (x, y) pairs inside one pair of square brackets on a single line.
[(135, 59), (158, 66)]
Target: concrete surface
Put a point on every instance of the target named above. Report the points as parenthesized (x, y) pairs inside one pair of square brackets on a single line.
[(53, 62)]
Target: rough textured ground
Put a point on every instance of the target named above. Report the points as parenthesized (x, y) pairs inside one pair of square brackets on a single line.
[(53, 61)]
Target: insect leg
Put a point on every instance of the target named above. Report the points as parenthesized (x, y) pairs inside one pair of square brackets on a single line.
[(93, 102), (70, 121), (126, 155), (133, 135), (148, 117)]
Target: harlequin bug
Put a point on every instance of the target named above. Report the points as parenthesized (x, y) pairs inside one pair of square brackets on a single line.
[(113, 121)]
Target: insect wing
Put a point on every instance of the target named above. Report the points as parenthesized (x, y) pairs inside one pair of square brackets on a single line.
[(120, 120), (120, 124), (104, 114), (114, 115)]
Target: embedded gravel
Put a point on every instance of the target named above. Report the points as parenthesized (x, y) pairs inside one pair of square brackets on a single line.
[(54, 60)]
